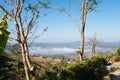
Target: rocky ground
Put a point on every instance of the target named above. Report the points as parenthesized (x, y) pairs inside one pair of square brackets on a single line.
[(115, 75)]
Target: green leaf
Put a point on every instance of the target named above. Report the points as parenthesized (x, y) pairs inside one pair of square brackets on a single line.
[(4, 33)]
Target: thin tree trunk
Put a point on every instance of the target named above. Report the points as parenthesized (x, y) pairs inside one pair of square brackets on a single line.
[(24, 47), (82, 31), (93, 49), (82, 46), (24, 43), (24, 62), (20, 41), (31, 68)]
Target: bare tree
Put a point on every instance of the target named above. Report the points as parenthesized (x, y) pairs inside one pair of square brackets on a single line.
[(24, 14), (86, 6), (93, 41)]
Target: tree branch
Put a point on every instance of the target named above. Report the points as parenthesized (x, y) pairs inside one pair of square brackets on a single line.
[(6, 11), (68, 14), (29, 25), (90, 7), (19, 9), (35, 38), (13, 38), (12, 4)]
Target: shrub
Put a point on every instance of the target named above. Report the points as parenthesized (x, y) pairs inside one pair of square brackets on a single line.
[(108, 56), (118, 51), (74, 72), (85, 70), (78, 52), (97, 61), (94, 70)]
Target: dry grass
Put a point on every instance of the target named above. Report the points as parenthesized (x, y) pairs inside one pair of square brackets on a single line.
[(116, 65), (115, 59), (106, 78), (39, 60)]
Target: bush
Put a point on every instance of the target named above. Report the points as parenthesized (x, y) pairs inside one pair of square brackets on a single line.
[(108, 56), (97, 61), (85, 70), (9, 68), (74, 72), (94, 67), (118, 51)]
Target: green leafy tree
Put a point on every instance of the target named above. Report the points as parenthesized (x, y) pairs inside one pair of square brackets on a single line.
[(3, 33)]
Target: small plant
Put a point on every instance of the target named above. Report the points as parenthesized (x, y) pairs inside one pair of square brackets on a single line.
[(78, 52), (118, 51)]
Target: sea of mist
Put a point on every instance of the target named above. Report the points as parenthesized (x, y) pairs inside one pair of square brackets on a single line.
[(68, 48)]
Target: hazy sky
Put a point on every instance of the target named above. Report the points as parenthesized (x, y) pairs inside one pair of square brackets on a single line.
[(105, 21)]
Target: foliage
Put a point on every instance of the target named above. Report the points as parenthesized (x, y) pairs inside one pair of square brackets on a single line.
[(118, 51), (12, 66), (9, 68), (78, 52), (3, 33), (15, 49), (89, 68), (3, 23), (49, 71), (108, 56)]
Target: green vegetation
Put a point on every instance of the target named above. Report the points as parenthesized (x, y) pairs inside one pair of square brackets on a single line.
[(108, 56), (12, 66), (78, 52), (3, 33), (118, 51), (11, 69), (79, 71)]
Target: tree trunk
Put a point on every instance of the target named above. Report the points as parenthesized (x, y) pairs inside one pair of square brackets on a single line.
[(82, 46), (93, 49), (21, 40), (84, 11), (31, 68), (24, 62), (25, 52), (82, 31)]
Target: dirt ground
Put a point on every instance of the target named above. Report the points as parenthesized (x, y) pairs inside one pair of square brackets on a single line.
[(40, 60)]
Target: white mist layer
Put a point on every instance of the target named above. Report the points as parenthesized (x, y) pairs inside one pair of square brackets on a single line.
[(51, 51), (63, 50)]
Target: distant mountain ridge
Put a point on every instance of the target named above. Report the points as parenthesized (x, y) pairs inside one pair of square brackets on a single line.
[(110, 44), (60, 44)]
